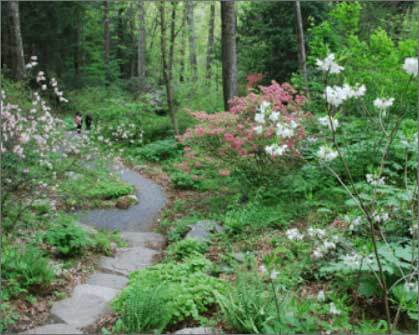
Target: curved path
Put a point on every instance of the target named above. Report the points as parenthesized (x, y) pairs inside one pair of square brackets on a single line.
[(90, 301), (139, 217)]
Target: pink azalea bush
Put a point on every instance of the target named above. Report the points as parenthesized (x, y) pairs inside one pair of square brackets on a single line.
[(263, 126)]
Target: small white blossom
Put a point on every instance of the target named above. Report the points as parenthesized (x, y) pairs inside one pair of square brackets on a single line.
[(333, 309), (373, 180), (283, 131), (274, 116), (294, 234), (330, 122), (274, 274), (276, 150), (326, 153), (411, 66), (264, 107), (321, 296), (258, 130), (329, 65), (383, 104), (260, 118)]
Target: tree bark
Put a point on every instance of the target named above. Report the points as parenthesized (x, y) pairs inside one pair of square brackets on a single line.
[(142, 67), (182, 49), (120, 34), (210, 49), (228, 48), (192, 39), (19, 63), (172, 38), (107, 40), (301, 46), (167, 71)]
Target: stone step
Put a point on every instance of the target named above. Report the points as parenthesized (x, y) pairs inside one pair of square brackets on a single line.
[(197, 331), (56, 328), (85, 306), (127, 260), (107, 280), (146, 240)]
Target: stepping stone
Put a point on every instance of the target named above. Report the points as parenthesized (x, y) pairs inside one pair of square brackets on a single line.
[(147, 240), (201, 231), (107, 280), (57, 328), (197, 331), (85, 306), (127, 260)]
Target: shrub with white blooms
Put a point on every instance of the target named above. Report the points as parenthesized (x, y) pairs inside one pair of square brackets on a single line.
[(411, 66), (326, 153), (328, 65)]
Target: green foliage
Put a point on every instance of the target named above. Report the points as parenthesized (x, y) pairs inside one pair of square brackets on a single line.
[(159, 151), (190, 289), (24, 270), (103, 240), (68, 238), (145, 310), (186, 248), (184, 181)]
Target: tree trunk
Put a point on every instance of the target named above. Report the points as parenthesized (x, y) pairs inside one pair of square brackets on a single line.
[(210, 50), (106, 41), (121, 43), (301, 46), (77, 58), (182, 49), (228, 46), (172, 38), (167, 71), (141, 66), (192, 39), (19, 63)]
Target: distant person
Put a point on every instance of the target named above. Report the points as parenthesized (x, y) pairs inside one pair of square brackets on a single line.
[(78, 122), (88, 119)]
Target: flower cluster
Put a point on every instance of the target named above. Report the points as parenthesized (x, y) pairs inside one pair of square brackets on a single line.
[(337, 95), (125, 132), (33, 62), (411, 66), (328, 65)]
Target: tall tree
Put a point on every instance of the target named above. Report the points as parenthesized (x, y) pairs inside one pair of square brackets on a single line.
[(106, 40), (228, 50), (121, 42), (301, 45), (210, 47), (19, 63), (142, 67), (167, 70), (192, 39), (182, 49)]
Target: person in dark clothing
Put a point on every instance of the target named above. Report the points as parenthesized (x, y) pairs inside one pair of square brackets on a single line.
[(88, 120), (78, 122)]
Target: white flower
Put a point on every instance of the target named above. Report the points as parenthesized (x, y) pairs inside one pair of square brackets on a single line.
[(283, 131), (333, 309), (258, 130), (264, 106), (359, 91), (329, 65), (274, 116), (274, 274), (34, 58), (411, 66), (330, 122), (294, 234), (312, 139), (317, 254), (260, 118), (275, 150), (44, 87), (383, 104), (335, 95), (373, 180), (263, 269), (326, 153), (352, 261), (321, 296), (29, 66)]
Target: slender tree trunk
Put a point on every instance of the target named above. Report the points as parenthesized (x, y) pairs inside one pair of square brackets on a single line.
[(182, 49), (192, 39), (141, 66), (77, 58), (121, 43), (228, 46), (172, 38), (167, 71), (210, 49), (19, 63), (132, 41), (301, 46), (107, 40)]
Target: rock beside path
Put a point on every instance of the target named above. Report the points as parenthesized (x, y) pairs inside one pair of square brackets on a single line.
[(201, 231), (126, 201), (197, 331), (127, 260), (56, 328), (146, 240), (85, 306)]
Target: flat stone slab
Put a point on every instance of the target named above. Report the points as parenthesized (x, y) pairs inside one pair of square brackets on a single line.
[(107, 280), (127, 260), (57, 328), (85, 306), (197, 331), (146, 240), (201, 230)]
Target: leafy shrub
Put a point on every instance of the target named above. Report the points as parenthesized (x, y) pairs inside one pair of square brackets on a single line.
[(191, 291), (184, 181), (186, 248), (24, 270), (160, 150), (103, 239), (144, 310), (67, 237)]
